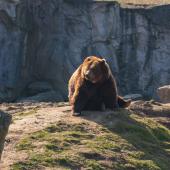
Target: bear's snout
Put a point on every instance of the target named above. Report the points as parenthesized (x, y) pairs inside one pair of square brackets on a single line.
[(89, 75)]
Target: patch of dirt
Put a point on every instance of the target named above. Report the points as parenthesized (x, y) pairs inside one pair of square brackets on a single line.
[(158, 111), (46, 114)]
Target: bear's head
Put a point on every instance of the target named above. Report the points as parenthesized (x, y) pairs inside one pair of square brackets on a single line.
[(95, 69)]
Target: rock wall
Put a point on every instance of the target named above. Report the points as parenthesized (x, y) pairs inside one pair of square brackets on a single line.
[(46, 41)]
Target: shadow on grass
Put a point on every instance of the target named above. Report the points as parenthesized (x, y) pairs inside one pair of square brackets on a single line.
[(144, 134)]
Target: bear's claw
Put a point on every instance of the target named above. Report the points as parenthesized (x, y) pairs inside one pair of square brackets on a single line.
[(76, 114)]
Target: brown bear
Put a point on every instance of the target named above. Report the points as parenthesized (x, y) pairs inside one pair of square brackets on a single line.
[(92, 85)]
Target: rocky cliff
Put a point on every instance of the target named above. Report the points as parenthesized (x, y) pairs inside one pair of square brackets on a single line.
[(46, 40)]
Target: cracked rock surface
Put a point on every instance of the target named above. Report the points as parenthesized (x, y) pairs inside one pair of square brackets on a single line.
[(47, 40)]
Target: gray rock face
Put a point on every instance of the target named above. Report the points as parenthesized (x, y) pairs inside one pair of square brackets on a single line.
[(5, 120), (38, 87), (164, 93), (47, 40), (52, 96)]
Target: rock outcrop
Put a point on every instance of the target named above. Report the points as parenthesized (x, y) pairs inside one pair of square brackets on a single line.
[(5, 120), (47, 40)]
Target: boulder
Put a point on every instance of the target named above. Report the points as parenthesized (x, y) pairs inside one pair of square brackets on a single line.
[(164, 94), (38, 87), (51, 96), (5, 120)]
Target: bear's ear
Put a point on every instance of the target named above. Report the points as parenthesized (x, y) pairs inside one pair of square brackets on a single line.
[(103, 61), (88, 58)]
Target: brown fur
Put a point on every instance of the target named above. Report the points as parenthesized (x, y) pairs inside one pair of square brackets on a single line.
[(92, 85)]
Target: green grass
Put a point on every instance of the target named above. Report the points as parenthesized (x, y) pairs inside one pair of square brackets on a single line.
[(120, 140), (25, 144), (22, 114)]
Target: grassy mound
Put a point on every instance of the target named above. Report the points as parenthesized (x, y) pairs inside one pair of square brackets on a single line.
[(120, 140)]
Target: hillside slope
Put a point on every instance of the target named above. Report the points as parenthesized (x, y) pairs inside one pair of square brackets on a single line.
[(46, 136)]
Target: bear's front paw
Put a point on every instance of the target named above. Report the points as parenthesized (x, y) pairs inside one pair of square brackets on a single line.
[(76, 113)]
